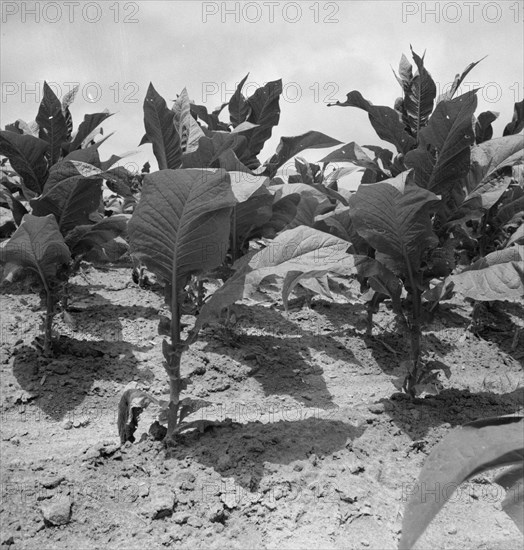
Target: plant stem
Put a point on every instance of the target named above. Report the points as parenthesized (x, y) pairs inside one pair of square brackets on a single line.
[(234, 235), (414, 330), (48, 323)]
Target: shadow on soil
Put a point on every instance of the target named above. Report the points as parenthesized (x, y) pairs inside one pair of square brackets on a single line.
[(452, 406), (246, 452), (283, 361), (60, 384)]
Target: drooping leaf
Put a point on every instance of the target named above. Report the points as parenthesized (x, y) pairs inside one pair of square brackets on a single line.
[(291, 146), (38, 245), (301, 250), (52, 123), (385, 120), (265, 112), (27, 157), (517, 123), (159, 122), (181, 224), (497, 276), (465, 452), (17, 208), (351, 152), (443, 154), (71, 200), (84, 238), (394, 218), (238, 106), (483, 128), (493, 155)]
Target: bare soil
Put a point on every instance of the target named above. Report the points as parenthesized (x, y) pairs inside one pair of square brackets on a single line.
[(321, 450)]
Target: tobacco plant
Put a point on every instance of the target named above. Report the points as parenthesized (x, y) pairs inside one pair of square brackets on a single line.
[(55, 189)]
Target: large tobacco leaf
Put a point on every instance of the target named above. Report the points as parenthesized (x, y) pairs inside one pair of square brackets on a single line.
[(159, 122), (52, 123), (467, 451), (497, 276), (442, 157), (181, 224), (385, 120), (37, 244), (303, 251), (27, 155), (394, 217), (71, 197)]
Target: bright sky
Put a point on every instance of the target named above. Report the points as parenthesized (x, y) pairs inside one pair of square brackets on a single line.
[(321, 50)]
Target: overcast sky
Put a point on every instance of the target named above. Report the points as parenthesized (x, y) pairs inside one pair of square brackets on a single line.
[(321, 50)]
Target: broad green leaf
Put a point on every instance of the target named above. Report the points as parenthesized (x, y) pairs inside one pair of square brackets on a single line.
[(498, 276), (442, 157), (301, 250), (86, 128), (182, 222), (52, 123), (38, 245), (465, 452), (291, 146), (483, 128), (159, 122), (238, 106), (395, 219), (27, 157), (84, 238), (304, 252), (385, 120), (265, 112), (71, 200), (517, 123)]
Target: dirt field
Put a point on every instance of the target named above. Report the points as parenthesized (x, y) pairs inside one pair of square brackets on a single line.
[(321, 450)]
